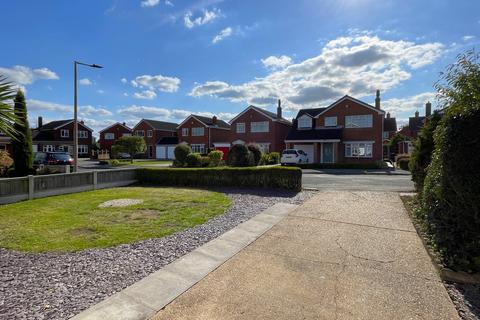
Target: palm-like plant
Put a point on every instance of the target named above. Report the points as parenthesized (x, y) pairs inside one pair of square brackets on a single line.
[(7, 115)]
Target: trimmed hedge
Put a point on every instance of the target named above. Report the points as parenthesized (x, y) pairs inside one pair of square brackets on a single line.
[(271, 177), (338, 166)]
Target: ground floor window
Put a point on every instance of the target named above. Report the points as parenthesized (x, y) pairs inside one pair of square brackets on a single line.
[(48, 148), (358, 149), (82, 149), (198, 148)]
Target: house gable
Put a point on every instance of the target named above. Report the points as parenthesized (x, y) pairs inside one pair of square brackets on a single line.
[(356, 101)]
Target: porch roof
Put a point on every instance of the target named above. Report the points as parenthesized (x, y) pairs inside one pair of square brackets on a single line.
[(315, 134)]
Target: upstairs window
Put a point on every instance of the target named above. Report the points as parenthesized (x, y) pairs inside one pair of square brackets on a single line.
[(109, 136), (64, 133), (82, 134), (198, 131), (304, 122), (359, 121), (149, 133), (140, 133), (184, 132), (330, 121), (261, 126), (240, 127)]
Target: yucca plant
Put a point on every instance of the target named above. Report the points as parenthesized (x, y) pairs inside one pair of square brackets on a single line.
[(7, 115)]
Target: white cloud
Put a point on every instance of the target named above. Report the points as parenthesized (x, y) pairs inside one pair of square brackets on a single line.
[(165, 114), (149, 3), (275, 63), (225, 33), (158, 82), (46, 106), (123, 80), (94, 111), (85, 82), (355, 65), (208, 16), (100, 91), (468, 38), (145, 94), (408, 104), (168, 3), (24, 75)]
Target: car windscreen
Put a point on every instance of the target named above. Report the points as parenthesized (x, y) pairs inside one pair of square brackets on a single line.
[(289, 152), (61, 156)]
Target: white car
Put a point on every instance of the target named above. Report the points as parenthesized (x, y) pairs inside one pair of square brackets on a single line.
[(293, 156)]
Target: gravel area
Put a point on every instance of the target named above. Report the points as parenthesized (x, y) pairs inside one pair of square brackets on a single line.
[(58, 286), (466, 298)]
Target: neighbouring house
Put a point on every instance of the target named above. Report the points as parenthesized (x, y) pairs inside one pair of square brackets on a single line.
[(416, 123), (266, 129), (389, 130), (152, 131), (347, 131), (5, 143), (58, 136), (205, 133), (110, 134)]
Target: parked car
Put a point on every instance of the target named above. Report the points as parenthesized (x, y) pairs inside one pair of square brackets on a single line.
[(293, 156), (52, 158)]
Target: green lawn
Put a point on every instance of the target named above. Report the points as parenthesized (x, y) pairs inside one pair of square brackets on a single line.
[(74, 221)]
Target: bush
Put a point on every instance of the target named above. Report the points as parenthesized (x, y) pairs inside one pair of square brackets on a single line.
[(274, 158), (114, 162), (5, 162), (215, 157), (270, 177), (256, 153), (402, 163), (239, 156), (181, 152), (193, 160), (422, 152), (204, 161)]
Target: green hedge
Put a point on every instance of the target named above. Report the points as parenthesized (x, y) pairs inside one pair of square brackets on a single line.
[(338, 166), (271, 177)]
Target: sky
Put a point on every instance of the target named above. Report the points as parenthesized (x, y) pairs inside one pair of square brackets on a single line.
[(166, 59)]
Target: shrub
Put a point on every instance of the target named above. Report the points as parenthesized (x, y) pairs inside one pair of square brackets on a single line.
[(422, 152), (274, 158), (270, 177), (193, 160), (264, 159), (22, 144), (450, 198), (256, 153), (402, 163), (181, 152), (114, 162), (5, 162), (215, 157), (239, 156), (204, 161), (131, 145)]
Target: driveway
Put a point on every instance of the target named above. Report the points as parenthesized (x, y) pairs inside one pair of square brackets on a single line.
[(340, 255), (357, 180)]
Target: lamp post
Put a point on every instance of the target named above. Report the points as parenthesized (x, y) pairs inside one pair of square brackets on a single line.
[(75, 116)]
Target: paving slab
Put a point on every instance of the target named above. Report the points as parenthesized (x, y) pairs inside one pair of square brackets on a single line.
[(340, 255)]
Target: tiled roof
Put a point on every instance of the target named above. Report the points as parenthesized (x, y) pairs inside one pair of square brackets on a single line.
[(43, 135), (55, 124), (271, 115), (162, 125), (209, 122), (312, 112), (168, 140), (390, 124), (315, 134)]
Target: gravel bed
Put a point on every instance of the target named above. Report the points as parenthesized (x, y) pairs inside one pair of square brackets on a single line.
[(58, 286), (466, 298)]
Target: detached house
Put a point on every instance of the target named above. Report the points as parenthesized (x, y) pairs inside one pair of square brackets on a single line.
[(416, 123), (262, 127), (153, 131), (347, 131), (389, 130), (110, 134), (58, 136), (205, 133)]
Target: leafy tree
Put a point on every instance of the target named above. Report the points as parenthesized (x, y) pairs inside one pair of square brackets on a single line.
[(22, 146), (393, 145), (7, 116), (422, 152), (131, 145)]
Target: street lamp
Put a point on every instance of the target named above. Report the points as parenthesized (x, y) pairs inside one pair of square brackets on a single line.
[(75, 117)]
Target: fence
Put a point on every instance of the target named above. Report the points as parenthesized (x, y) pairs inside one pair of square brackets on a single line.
[(32, 187)]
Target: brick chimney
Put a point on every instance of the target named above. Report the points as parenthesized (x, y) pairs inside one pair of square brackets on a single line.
[(377, 100), (279, 109), (39, 122), (428, 109), (123, 123), (214, 119), (417, 114), (388, 115)]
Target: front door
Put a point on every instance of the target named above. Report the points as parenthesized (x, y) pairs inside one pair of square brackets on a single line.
[(327, 152), (150, 151)]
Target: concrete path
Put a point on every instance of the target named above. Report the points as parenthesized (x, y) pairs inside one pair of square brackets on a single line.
[(341, 255)]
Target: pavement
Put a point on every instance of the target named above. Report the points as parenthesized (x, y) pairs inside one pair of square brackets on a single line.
[(340, 255)]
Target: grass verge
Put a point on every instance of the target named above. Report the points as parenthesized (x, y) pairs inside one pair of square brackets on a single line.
[(74, 222)]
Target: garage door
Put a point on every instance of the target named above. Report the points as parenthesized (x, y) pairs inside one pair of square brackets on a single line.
[(307, 148), (161, 152), (170, 152)]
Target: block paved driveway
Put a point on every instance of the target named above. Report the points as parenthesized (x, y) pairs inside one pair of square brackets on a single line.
[(340, 255)]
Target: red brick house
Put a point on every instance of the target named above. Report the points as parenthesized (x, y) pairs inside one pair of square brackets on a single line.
[(347, 131), (205, 133), (416, 123), (111, 133), (389, 130), (152, 131), (262, 127), (58, 136)]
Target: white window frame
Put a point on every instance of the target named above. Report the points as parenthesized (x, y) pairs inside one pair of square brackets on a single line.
[(82, 149), (198, 147), (240, 127), (304, 122), (140, 133), (259, 126), (359, 121), (126, 134), (198, 132), (264, 147), (109, 136), (48, 148), (149, 133), (330, 121), (82, 133), (361, 149), (385, 134), (64, 133), (184, 132)]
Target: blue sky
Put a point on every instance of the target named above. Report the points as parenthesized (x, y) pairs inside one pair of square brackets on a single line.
[(165, 59)]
